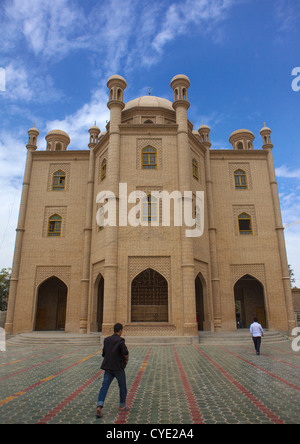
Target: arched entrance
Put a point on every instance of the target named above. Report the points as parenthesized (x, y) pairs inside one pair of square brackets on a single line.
[(199, 303), (149, 297), (100, 303), (249, 302), (51, 305)]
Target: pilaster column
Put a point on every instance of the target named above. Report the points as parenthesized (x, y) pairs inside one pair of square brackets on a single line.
[(116, 85), (31, 147), (267, 146), (180, 85), (85, 280)]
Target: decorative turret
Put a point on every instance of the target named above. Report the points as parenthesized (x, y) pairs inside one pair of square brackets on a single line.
[(265, 133), (116, 85), (242, 139), (204, 131), (33, 135), (57, 140), (94, 135), (180, 85)]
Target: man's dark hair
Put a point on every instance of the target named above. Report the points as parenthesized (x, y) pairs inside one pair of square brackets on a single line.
[(255, 319), (118, 327)]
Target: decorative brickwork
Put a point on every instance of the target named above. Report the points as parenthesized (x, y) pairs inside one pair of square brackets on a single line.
[(248, 209), (53, 168), (50, 211), (255, 270), (240, 166), (143, 143)]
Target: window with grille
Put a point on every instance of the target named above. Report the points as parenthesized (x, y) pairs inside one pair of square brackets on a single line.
[(149, 158), (195, 169), (245, 224), (149, 209), (54, 226), (59, 181), (103, 169), (149, 297), (240, 180)]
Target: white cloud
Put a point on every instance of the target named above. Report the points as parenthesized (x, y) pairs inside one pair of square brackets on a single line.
[(287, 14), (49, 27), (23, 83), (284, 171), (180, 16), (290, 208), (12, 166), (127, 32), (78, 124)]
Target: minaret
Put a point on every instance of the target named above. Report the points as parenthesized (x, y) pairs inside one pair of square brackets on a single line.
[(31, 147), (94, 135), (85, 281), (180, 85), (265, 133), (204, 131), (116, 85)]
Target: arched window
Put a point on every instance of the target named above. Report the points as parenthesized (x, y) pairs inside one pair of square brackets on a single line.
[(195, 169), (54, 226), (245, 224), (149, 206), (149, 158), (58, 147), (240, 146), (59, 181), (240, 180), (103, 169)]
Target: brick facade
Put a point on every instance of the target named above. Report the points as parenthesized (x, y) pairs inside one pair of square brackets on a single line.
[(82, 255)]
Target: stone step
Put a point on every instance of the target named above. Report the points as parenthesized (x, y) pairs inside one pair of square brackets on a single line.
[(55, 338), (239, 336), (95, 339), (160, 340)]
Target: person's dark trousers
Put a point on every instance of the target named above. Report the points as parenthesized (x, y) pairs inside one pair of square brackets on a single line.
[(257, 342), (109, 376)]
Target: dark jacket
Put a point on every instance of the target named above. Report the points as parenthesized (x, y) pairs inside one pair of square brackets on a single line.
[(114, 352)]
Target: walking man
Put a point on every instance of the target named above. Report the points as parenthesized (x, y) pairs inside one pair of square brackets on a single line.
[(116, 355), (257, 332)]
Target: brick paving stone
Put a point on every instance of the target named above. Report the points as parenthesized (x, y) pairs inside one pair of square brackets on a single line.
[(225, 384)]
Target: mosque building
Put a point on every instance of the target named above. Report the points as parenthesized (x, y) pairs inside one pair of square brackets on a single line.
[(75, 272)]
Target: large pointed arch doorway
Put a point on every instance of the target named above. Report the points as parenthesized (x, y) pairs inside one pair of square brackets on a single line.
[(149, 297), (249, 302), (51, 305)]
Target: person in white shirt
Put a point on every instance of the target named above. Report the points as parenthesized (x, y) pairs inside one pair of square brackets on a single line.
[(257, 332)]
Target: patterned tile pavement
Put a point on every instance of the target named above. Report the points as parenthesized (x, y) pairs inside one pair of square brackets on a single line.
[(195, 384)]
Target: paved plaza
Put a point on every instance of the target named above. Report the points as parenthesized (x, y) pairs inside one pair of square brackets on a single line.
[(182, 384)]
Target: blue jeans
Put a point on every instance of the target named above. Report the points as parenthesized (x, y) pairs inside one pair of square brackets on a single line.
[(109, 376)]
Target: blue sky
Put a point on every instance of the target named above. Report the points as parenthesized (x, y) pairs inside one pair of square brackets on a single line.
[(238, 54)]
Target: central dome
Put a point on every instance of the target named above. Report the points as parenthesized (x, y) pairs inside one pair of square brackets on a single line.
[(149, 102)]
